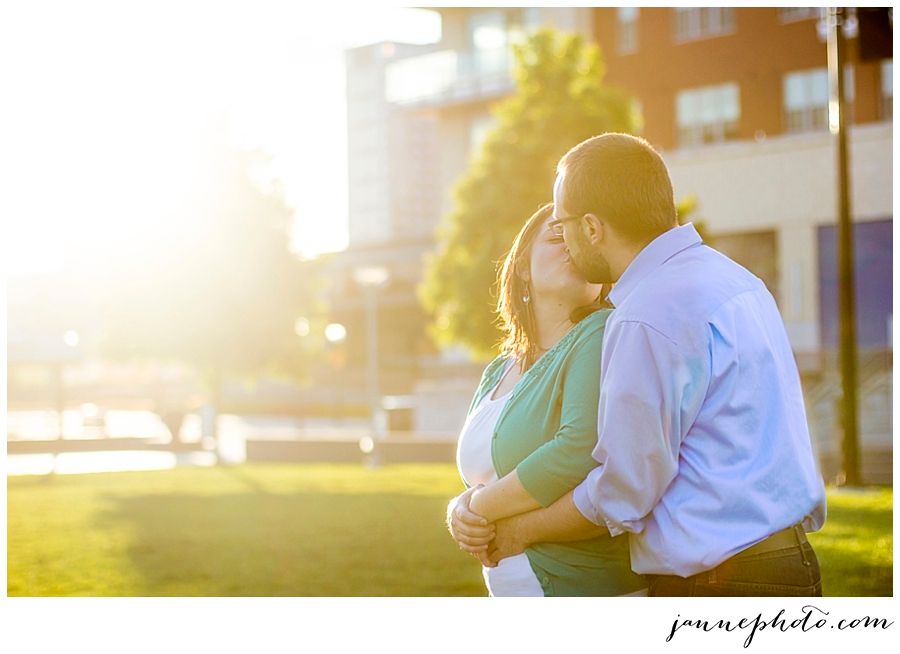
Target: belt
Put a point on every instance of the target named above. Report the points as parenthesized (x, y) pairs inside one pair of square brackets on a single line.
[(780, 540)]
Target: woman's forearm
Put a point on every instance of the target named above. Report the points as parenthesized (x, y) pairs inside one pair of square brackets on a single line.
[(503, 498)]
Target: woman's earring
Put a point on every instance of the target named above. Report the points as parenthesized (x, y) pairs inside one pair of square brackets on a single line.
[(526, 298)]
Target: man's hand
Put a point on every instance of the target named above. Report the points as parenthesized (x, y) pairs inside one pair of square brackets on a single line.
[(509, 540), (470, 530)]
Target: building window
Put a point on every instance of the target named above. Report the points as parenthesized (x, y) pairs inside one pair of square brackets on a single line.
[(487, 30), (806, 99), (627, 30), (702, 22), (887, 89), (872, 263), (794, 14), (490, 41), (523, 24), (708, 115), (532, 19)]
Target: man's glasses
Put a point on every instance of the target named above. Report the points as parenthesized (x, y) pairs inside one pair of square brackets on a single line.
[(556, 225)]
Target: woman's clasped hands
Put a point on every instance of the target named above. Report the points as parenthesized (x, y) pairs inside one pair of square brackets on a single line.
[(472, 532)]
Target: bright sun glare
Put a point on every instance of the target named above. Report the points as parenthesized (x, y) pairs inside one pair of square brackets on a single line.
[(114, 99)]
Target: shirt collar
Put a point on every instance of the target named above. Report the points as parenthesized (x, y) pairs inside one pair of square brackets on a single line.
[(657, 252)]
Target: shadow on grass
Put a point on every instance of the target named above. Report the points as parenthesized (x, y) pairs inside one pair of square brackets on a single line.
[(258, 543), (308, 531)]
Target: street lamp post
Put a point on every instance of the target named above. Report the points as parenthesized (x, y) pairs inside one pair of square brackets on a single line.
[(71, 339), (372, 278), (336, 334)]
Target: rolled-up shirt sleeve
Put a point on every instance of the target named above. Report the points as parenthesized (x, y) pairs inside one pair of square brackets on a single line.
[(647, 394)]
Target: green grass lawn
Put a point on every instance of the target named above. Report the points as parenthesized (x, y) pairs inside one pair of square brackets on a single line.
[(856, 546), (335, 530)]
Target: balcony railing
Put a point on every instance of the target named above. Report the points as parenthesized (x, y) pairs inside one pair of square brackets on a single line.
[(449, 76)]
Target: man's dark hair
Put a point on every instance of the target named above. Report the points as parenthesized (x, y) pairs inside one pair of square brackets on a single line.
[(622, 179)]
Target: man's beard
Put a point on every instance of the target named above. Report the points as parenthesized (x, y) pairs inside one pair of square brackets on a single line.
[(592, 265)]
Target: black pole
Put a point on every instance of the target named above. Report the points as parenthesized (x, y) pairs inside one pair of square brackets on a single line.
[(846, 288)]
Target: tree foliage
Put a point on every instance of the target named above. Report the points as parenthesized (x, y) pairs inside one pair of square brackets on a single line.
[(213, 284), (560, 100)]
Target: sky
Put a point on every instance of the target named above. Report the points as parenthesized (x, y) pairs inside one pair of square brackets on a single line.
[(104, 91)]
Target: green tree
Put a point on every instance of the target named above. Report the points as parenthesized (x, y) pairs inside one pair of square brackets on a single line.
[(213, 283), (686, 209), (560, 100)]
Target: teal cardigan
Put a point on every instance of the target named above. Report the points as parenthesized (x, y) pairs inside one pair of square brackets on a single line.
[(546, 432)]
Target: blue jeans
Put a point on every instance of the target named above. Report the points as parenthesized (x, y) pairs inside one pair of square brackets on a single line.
[(789, 572)]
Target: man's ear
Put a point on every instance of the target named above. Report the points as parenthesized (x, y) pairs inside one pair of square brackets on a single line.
[(593, 228)]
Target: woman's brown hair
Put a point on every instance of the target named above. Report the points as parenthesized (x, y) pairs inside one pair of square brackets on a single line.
[(514, 311)]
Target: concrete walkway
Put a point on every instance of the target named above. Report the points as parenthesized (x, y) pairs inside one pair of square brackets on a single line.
[(68, 463)]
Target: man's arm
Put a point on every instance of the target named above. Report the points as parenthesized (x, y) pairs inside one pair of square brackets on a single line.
[(650, 393), (558, 523)]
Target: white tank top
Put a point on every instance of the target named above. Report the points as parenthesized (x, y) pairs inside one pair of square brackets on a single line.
[(513, 576)]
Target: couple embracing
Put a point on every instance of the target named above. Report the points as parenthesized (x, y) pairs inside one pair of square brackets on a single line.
[(646, 437)]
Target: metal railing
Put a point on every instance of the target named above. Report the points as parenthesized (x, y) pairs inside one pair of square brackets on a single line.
[(449, 76)]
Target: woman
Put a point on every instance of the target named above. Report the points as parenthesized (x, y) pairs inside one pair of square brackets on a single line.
[(533, 420)]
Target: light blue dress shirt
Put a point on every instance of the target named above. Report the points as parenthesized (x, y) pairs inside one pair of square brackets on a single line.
[(703, 445)]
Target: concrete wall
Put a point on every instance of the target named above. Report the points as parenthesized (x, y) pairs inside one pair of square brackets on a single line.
[(788, 184)]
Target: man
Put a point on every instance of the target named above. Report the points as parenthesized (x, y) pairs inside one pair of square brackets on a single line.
[(703, 450)]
